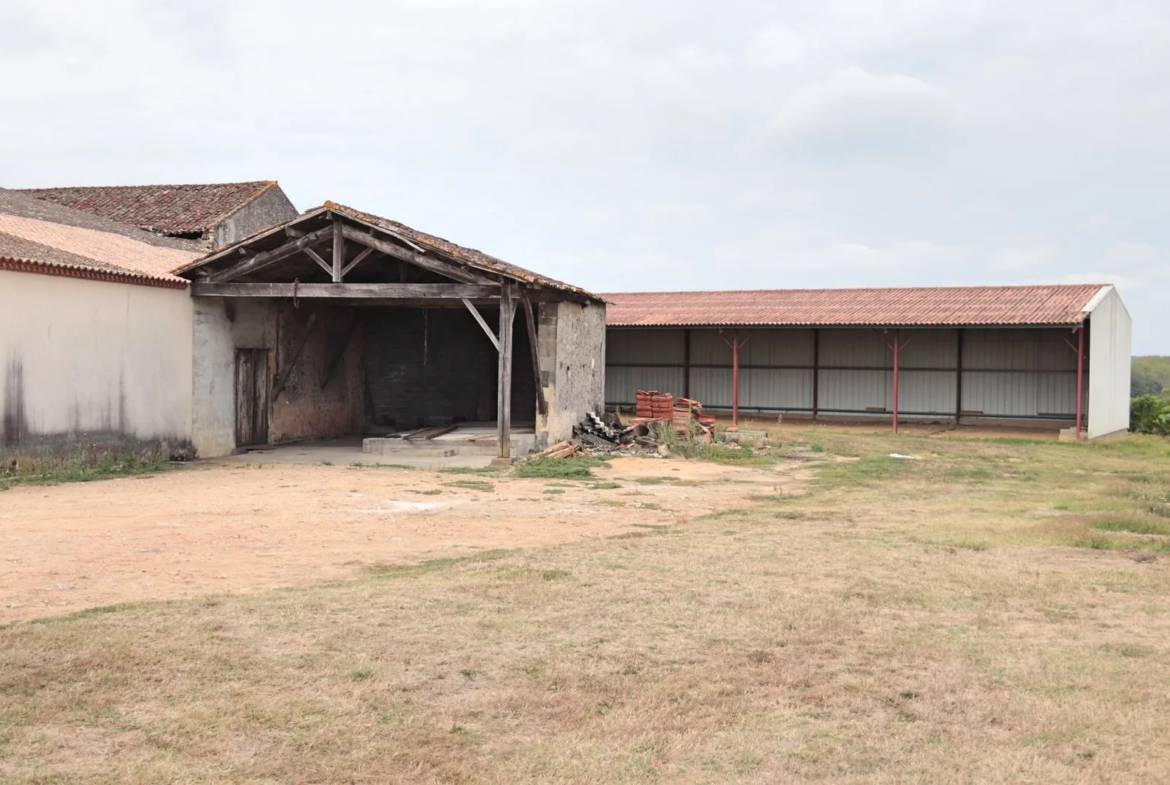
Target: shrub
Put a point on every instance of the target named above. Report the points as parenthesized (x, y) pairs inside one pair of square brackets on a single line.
[(1150, 414)]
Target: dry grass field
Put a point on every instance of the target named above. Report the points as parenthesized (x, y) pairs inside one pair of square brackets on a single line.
[(998, 611)]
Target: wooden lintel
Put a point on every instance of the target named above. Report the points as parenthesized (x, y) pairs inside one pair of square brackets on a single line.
[(446, 269), (267, 258), (353, 291), (479, 318), (541, 403)]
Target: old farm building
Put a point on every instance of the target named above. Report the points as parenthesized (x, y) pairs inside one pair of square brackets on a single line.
[(327, 323), (980, 354)]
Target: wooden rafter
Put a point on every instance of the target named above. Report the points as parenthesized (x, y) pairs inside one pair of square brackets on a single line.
[(264, 259), (541, 403), (479, 318), (446, 269)]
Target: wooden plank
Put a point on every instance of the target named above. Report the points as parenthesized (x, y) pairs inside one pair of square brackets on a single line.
[(441, 267), (479, 318), (355, 291), (335, 361), (356, 261), (504, 378), (429, 433), (268, 258), (541, 403), (245, 395), (316, 257), (282, 377), (338, 252)]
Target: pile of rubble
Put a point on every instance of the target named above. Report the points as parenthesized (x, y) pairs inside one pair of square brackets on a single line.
[(655, 414)]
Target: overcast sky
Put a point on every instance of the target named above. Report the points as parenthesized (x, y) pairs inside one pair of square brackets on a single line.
[(639, 144)]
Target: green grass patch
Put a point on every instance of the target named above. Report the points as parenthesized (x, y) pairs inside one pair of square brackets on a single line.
[(655, 480), (88, 613), (402, 466), (472, 485), (434, 565), (472, 470), (1133, 526), (602, 486), (576, 468), (83, 467), (553, 491)]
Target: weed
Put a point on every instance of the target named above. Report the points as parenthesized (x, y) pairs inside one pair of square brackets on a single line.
[(82, 467), (472, 470), (1095, 542), (429, 492), (602, 486), (326, 463), (403, 466), (361, 674), (554, 575), (88, 613), (577, 468), (472, 485), (1133, 526), (553, 491)]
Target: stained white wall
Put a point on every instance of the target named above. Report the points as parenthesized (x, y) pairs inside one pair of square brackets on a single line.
[(92, 361), (1109, 366)]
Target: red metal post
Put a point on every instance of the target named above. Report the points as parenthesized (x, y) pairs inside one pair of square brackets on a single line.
[(735, 377), (897, 352), (1080, 378)]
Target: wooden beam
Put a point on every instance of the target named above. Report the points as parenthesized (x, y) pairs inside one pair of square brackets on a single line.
[(335, 361), (361, 257), (479, 318), (504, 378), (353, 291), (338, 252), (541, 403), (267, 258), (444, 268), (282, 378), (316, 257)]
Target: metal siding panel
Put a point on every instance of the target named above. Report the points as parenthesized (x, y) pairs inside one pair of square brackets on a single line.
[(930, 349), (623, 383), (930, 392), (854, 390), (712, 386), (708, 348), (854, 348), (775, 389), (1053, 354), (652, 347), (1000, 394), (1013, 350), (776, 347), (1057, 394)]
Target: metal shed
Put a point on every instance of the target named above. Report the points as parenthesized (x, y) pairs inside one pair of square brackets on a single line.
[(1041, 355)]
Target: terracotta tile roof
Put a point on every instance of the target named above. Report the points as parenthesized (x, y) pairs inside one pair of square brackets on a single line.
[(37, 236), (165, 209), (918, 307), (474, 257)]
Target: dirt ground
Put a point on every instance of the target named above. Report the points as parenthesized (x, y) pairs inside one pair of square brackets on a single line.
[(229, 528)]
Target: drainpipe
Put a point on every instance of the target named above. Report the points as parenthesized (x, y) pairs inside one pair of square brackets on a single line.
[(897, 355), (1080, 377)]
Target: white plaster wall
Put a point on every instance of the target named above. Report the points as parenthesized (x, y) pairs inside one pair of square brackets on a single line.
[(80, 357), (572, 366), (215, 338), (1109, 366)]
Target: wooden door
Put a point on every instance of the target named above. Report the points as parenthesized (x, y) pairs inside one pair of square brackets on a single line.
[(251, 397)]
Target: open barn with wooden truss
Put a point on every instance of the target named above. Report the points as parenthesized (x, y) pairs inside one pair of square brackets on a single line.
[(339, 322)]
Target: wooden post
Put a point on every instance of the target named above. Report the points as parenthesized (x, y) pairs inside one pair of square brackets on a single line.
[(338, 252), (530, 320), (504, 380)]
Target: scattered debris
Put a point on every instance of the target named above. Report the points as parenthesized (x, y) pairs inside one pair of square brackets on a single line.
[(905, 457)]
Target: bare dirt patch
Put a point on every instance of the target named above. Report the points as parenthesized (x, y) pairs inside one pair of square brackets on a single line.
[(247, 527)]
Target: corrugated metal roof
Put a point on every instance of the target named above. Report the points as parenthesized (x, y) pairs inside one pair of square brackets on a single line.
[(909, 307)]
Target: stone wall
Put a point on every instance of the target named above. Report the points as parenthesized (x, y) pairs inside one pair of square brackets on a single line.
[(571, 344)]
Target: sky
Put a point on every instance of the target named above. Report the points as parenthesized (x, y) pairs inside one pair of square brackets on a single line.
[(626, 145)]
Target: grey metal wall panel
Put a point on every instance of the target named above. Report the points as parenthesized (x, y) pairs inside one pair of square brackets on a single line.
[(649, 347), (854, 390), (1053, 353), (929, 349), (708, 348), (776, 347), (931, 392), (854, 349), (781, 390), (1056, 393), (1000, 394), (622, 383), (712, 386)]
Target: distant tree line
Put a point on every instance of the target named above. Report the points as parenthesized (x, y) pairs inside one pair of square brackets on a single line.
[(1151, 376)]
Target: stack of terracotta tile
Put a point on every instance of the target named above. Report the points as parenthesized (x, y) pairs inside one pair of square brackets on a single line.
[(685, 412), (654, 405)]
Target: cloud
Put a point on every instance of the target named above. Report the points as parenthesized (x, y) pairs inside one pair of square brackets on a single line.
[(776, 46), (1025, 255), (856, 114)]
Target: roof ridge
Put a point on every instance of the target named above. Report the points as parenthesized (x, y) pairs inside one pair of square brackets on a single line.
[(952, 287), (265, 183)]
